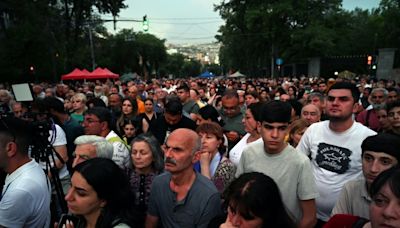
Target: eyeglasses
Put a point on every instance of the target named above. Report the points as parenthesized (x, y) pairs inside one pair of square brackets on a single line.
[(8, 130), (374, 97)]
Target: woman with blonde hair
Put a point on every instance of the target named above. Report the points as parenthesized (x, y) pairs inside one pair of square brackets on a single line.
[(78, 106), (296, 131)]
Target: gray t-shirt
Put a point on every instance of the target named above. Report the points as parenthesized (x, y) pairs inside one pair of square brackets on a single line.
[(290, 169), (353, 199), (201, 204), (191, 107), (234, 123)]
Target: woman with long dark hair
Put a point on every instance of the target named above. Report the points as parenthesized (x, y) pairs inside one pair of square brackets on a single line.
[(254, 200), (100, 195), (149, 116), (128, 111)]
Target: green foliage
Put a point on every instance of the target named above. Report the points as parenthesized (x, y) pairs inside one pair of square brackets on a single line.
[(256, 31), (213, 68), (191, 68), (173, 65), (54, 39), (128, 51), (180, 67), (51, 36)]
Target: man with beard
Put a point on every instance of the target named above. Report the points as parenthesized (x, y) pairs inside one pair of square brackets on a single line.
[(115, 105), (334, 146), (369, 117), (99, 93), (182, 197), (232, 116), (172, 119)]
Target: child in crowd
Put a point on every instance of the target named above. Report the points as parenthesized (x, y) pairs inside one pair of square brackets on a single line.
[(130, 130)]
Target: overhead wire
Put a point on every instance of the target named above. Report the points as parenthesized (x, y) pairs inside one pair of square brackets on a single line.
[(193, 22)]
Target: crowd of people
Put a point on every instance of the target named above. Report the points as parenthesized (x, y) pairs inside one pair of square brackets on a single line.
[(286, 152)]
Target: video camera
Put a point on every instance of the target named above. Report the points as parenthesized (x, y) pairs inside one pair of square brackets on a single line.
[(41, 124)]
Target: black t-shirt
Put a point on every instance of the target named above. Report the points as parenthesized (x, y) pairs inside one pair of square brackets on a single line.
[(160, 128)]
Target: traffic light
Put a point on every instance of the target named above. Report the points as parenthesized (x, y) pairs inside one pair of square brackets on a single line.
[(145, 24), (369, 60)]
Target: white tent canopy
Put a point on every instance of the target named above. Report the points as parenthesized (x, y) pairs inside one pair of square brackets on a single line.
[(237, 74)]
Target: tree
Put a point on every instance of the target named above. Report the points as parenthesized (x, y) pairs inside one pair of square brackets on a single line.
[(213, 68), (173, 65), (257, 32), (388, 35), (128, 51), (51, 36), (78, 17), (29, 41), (191, 68)]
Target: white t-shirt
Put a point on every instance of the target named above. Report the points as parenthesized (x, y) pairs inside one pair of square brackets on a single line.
[(336, 159), (25, 198), (58, 139), (236, 152), (121, 153)]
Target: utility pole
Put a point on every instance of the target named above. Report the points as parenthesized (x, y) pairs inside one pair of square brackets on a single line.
[(91, 47), (272, 61)]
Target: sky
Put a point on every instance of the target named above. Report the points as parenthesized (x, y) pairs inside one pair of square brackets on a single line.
[(187, 21)]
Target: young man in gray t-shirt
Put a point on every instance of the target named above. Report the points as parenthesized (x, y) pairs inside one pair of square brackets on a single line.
[(290, 169)]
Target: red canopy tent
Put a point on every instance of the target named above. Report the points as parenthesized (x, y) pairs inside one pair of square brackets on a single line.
[(76, 74), (86, 72), (100, 73)]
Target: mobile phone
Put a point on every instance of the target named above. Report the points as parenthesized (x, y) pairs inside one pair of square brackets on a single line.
[(63, 220)]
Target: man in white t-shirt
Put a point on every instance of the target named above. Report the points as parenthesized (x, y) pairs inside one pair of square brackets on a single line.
[(334, 146), (25, 198), (56, 138)]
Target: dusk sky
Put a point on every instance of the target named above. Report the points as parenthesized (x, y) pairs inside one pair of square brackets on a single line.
[(188, 21)]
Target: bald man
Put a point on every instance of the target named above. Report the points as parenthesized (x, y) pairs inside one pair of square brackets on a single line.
[(182, 197), (133, 93)]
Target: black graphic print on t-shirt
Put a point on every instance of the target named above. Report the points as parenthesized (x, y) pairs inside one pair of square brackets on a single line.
[(333, 158)]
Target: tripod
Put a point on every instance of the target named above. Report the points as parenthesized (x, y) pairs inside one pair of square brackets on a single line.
[(43, 153)]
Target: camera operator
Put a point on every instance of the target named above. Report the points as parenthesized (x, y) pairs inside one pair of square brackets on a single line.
[(25, 199), (71, 126), (57, 141)]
